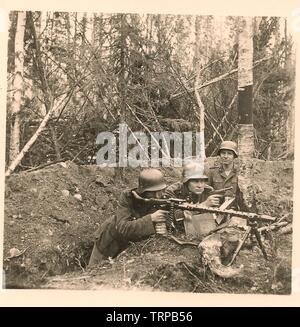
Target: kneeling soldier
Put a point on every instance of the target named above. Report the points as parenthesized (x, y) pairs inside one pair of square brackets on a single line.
[(225, 174)]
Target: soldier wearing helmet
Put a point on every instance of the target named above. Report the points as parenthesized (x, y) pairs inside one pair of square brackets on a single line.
[(225, 174), (133, 220), (193, 186)]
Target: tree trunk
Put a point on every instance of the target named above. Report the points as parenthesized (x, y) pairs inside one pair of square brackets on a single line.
[(290, 127), (18, 87), (43, 22), (122, 82), (290, 122), (201, 107), (89, 27), (94, 30), (48, 100), (83, 35), (245, 86), (55, 143)]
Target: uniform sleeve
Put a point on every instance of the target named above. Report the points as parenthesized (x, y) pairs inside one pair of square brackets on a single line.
[(129, 227)]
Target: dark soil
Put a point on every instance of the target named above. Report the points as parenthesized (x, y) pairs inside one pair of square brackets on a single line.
[(55, 228)]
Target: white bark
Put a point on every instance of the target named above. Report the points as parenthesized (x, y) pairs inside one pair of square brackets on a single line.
[(43, 22), (245, 60), (246, 140), (94, 30), (290, 122), (197, 95), (89, 27), (290, 129), (49, 104), (201, 123), (245, 78), (17, 87)]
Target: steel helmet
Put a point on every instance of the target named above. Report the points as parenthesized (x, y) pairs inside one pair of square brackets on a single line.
[(229, 145), (193, 170), (151, 180)]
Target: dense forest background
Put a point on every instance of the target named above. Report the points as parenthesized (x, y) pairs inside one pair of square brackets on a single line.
[(90, 72)]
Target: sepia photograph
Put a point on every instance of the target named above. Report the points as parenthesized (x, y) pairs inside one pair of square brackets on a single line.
[(149, 152)]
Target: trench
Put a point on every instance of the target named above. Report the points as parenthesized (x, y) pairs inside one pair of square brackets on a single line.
[(57, 229)]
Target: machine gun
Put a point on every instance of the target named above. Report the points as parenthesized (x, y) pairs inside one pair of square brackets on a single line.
[(173, 203), (252, 218)]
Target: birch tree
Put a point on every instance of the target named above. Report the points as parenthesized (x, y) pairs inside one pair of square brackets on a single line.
[(198, 98), (290, 122), (47, 95), (18, 87), (245, 86)]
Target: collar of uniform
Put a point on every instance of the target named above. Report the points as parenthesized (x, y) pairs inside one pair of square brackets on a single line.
[(136, 202), (190, 197), (233, 170), (140, 207)]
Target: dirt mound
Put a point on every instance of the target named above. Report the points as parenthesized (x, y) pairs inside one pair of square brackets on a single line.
[(158, 264), (268, 186), (52, 213)]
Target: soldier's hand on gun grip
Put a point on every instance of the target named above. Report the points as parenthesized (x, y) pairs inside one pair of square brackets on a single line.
[(159, 216), (212, 200), (159, 219)]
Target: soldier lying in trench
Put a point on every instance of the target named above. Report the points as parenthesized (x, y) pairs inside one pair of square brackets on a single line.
[(137, 218), (134, 220)]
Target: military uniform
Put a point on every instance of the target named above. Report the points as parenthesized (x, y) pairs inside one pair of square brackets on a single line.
[(218, 179), (132, 222), (180, 191)]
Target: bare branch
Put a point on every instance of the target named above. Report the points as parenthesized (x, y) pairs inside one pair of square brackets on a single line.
[(216, 79), (32, 140), (222, 121), (146, 128)]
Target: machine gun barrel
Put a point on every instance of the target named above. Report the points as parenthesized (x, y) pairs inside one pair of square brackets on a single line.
[(241, 214), (183, 205)]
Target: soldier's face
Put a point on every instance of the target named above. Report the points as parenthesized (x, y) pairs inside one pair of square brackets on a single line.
[(196, 186), (227, 156), (153, 194)]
